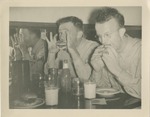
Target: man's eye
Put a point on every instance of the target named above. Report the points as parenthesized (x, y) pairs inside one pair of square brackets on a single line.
[(60, 33), (107, 36)]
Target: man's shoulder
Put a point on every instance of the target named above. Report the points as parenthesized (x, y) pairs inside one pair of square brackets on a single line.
[(134, 44), (91, 43), (42, 41), (40, 45)]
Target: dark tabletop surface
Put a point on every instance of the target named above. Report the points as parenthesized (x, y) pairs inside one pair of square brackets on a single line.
[(119, 101), (69, 101)]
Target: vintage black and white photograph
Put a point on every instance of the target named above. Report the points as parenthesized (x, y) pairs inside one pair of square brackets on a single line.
[(75, 57)]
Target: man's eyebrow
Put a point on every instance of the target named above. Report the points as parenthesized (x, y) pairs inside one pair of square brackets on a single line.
[(107, 32), (63, 29), (103, 33)]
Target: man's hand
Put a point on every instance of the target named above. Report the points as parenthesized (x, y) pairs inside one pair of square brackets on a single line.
[(96, 59), (18, 44), (111, 60), (52, 47), (71, 42)]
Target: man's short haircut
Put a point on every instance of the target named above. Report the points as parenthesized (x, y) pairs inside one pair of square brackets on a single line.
[(76, 22), (104, 14)]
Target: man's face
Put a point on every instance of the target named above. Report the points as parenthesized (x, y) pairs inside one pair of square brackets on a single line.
[(27, 37), (70, 28), (108, 33)]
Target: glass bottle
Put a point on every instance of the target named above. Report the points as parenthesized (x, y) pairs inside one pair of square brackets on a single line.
[(53, 72), (49, 80), (66, 78), (41, 87)]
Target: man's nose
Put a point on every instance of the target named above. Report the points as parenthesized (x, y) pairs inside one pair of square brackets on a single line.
[(62, 37), (104, 41)]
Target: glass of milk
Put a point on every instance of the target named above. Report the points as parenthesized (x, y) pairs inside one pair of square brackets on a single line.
[(89, 90), (51, 95)]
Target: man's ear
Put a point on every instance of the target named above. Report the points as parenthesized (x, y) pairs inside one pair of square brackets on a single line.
[(80, 34), (122, 32)]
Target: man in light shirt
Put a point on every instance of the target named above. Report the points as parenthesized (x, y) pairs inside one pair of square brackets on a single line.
[(28, 45), (117, 62), (78, 50)]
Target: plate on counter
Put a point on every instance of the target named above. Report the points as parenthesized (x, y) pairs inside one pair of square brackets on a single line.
[(107, 92), (28, 104)]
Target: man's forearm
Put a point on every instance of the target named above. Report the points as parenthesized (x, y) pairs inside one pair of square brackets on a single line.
[(83, 69), (125, 78), (101, 80), (51, 60), (131, 85)]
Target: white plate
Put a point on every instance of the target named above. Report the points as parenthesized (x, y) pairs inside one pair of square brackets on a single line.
[(38, 102), (107, 92)]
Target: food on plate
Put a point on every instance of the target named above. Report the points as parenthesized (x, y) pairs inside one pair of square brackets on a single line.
[(26, 103), (29, 96), (107, 91)]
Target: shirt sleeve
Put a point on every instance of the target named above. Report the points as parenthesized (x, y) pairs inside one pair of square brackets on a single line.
[(101, 79), (56, 60), (51, 62), (82, 66), (132, 84), (38, 58)]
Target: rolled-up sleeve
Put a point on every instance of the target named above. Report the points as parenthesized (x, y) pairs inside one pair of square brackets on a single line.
[(82, 66), (132, 81)]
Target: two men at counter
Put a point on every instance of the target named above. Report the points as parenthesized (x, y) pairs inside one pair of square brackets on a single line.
[(114, 64)]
